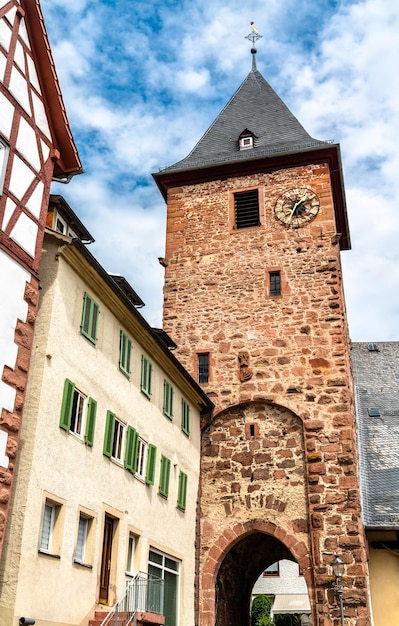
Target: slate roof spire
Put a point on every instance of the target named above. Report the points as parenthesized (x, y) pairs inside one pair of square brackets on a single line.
[(257, 107)]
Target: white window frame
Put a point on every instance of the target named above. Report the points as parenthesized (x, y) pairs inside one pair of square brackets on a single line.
[(79, 413), (81, 540), (246, 143), (118, 444), (47, 527), (131, 550), (163, 567), (141, 462)]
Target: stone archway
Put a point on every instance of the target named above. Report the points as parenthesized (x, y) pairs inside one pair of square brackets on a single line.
[(234, 564)]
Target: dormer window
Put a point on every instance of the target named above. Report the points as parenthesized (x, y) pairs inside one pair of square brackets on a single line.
[(246, 140)]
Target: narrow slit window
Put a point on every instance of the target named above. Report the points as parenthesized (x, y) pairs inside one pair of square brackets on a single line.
[(203, 367), (246, 209), (275, 283)]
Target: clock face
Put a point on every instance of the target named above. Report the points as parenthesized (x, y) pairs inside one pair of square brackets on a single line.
[(297, 207)]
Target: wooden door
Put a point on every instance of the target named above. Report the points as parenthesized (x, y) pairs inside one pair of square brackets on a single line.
[(106, 558)]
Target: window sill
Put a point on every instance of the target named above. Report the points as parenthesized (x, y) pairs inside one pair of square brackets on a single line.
[(126, 374), (46, 553), (146, 394), (86, 565)]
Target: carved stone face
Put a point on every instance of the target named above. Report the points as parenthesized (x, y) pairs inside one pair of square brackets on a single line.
[(243, 359)]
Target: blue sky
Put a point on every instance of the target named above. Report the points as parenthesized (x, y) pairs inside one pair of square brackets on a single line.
[(142, 81)]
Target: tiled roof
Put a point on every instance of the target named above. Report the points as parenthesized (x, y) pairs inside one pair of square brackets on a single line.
[(255, 106), (376, 375)]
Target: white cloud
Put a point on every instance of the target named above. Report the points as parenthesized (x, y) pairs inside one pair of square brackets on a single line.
[(143, 81)]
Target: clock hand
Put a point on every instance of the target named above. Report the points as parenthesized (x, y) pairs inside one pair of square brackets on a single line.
[(300, 200)]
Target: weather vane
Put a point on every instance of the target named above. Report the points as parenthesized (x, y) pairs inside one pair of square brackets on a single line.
[(253, 36)]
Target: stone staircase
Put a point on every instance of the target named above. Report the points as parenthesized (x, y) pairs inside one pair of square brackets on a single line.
[(142, 619)]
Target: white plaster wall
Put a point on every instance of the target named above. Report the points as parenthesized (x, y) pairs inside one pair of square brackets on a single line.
[(83, 476), (289, 581), (12, 308)]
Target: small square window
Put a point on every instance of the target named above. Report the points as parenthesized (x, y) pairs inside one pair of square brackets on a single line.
[(246, 209), (125, 349), (203, 367), (272, 570), (374, 411), (167, 399), (246, 142), (146, 376), (275, 283), (185, 417), (51, 528), (88, 326)]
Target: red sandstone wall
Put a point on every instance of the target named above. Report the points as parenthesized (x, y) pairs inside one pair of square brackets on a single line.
[(17, 378), (297, 356)]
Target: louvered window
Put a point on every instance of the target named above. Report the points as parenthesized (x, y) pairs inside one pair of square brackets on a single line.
[(246, 209)]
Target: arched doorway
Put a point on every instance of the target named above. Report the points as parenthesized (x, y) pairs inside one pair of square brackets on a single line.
[(238, 573)]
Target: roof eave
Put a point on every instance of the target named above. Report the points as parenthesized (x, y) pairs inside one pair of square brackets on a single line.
[(67, 162), (328, 153)]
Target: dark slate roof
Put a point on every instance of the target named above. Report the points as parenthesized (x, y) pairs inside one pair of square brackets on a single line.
[(376, 375), (256, 107)]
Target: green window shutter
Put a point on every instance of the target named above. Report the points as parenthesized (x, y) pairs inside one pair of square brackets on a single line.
[(88, 326), (182, 491), (164, 476), (90, 421), (146, 376), (151, 457), (66, 406), (125, 348), (185, 417), (132, 442), (167, 399), (109, 434)]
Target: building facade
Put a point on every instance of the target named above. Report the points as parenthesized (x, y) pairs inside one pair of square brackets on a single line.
[(376, 376), (107, 478), (256, 221), (35, 145)]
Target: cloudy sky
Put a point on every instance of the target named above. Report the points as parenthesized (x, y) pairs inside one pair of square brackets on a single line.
[(142, 80)]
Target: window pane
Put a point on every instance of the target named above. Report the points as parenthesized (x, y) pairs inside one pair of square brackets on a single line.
[(130, 554), (141, 458), (117, 445), (47, 527), (275, 283), (78, 405), (81, 541), (203, 367)]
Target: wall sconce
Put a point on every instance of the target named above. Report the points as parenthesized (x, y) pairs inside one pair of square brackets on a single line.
[(338, 568)]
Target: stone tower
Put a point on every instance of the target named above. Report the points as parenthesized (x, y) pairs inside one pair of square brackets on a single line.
[(253, 296)]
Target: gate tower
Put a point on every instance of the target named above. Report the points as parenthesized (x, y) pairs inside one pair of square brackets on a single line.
[(253, 296)]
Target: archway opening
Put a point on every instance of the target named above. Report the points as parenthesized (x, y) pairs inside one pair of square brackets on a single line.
[(238, 572)]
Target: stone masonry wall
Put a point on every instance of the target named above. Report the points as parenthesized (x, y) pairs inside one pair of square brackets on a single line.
[(288, 351), (17, 378)]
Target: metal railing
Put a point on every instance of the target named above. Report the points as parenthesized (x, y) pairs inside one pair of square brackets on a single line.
[(144, 593)]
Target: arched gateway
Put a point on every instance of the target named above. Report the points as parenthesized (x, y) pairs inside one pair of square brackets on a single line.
[(254, 506), (253, 297)]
